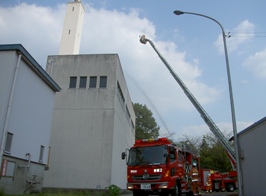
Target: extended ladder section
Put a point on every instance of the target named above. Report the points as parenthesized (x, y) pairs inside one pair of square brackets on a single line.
[(215, 130)]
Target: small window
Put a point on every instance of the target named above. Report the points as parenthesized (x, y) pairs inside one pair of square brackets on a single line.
[(103, 81), (120, 94), (127, 114), (73, 8), (73, 82), (82, 82), (180, 156), (132, 126), (8, 142), (8, 168), (93, 81), (41, 153), (69, 31), (172, 156)]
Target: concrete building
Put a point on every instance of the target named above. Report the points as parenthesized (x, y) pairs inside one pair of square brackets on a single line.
[(71, 35), (252, 158), (27, 99), (93, 122)]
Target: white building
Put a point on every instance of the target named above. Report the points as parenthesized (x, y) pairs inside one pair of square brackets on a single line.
[(94, 122), (71, 35), (27, 98)]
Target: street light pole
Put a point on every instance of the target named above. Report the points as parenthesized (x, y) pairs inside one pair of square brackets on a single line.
[(178, 12)]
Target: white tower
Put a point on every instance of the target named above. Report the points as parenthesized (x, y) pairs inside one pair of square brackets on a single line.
[(71, 35)]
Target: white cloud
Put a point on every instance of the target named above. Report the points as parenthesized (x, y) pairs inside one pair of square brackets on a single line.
[(200, 130), (39, 29), (108, 31), (240, 35), (256, 63)]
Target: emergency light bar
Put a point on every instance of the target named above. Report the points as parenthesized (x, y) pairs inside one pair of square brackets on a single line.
[(152, 141)]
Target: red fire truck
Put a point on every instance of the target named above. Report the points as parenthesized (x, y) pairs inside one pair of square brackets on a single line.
[(226, 181), (156, 166), (230, 178)]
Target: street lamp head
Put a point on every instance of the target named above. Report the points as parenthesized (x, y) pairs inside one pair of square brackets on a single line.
[(178, 12)]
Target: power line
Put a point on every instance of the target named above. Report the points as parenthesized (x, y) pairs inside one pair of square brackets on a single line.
[(170, 135), (247, 34)]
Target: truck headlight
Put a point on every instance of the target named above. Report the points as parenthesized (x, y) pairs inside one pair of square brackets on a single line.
[(130, 186), (163, 185)]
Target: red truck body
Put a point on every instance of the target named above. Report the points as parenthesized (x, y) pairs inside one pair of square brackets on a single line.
[(219, 181), (158, 167)]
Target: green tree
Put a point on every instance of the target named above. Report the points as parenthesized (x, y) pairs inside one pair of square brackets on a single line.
[(206, 160), (146, 126), (189, 143), (213, 155)]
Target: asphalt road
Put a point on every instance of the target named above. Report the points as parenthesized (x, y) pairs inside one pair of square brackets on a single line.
[(203, 194)]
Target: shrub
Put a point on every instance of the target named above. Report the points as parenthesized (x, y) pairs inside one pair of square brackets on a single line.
[(2, 192), (113, 190)]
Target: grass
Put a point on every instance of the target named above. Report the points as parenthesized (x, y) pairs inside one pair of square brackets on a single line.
[(110, 191), (83, 193)]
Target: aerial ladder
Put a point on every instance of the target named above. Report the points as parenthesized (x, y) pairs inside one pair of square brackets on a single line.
[(213, 127)]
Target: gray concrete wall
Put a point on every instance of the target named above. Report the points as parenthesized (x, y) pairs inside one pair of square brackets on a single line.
[(89, 130), (124, 132)]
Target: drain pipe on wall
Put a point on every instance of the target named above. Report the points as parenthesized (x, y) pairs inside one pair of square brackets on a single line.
[(3, 142), (29, 159), (28, 182), (27, 167)]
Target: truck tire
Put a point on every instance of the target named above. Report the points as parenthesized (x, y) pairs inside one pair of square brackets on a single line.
[(189, 193), (135, 193), (138, 193), (164, 193), (230, 187)]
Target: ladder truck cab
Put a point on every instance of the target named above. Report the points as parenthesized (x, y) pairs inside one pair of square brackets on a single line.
[(156, 166)]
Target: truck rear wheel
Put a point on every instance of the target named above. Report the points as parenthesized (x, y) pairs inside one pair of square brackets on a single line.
[(230, 187)]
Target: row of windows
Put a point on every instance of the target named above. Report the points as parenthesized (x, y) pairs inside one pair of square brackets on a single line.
[(121, 99), (9, 143), (92, 82)]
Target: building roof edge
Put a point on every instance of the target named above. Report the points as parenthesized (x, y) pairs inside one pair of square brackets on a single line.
[(250, 127), (33, 63)]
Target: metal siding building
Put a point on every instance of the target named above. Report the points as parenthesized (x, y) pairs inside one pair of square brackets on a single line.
[(27, 99), (253, 158), (94, 122)]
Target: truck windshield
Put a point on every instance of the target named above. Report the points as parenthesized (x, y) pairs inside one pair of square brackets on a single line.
[(152, 155)]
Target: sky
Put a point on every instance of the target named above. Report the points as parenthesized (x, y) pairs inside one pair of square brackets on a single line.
[(191, 44)]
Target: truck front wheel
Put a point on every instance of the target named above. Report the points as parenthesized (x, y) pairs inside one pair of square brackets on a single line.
[(135, 193), (138, 193)]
